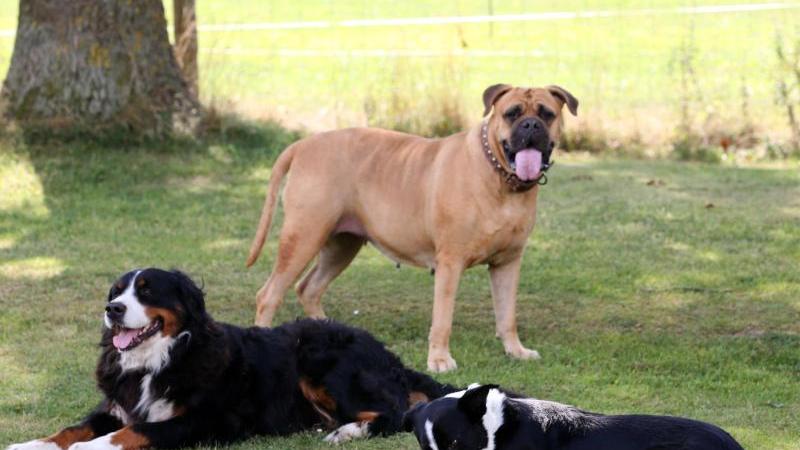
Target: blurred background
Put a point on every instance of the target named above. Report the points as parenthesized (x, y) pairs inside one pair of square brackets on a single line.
[(701, 79)]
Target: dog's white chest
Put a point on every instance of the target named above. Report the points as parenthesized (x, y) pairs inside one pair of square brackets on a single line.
[(151, 408)]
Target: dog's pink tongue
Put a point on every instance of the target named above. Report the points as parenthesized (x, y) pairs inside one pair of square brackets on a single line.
[(528, 164), (124, 338)]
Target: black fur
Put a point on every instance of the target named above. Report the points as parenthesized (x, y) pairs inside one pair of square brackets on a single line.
[(227, 383), (457, 425)]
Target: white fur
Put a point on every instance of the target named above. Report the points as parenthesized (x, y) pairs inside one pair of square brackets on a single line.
[(101, 443), (145, 400), (119, 412), (155, 409), (429, 434), (547, 413), (493, 419), (34, 445), (151, 355), (347, 432), (135, 316), (160, 410), (460, 394)]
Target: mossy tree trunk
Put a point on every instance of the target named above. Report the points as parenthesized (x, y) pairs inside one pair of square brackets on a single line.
[(97, 65)]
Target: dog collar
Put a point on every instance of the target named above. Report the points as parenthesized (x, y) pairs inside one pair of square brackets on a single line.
[(512, 180)]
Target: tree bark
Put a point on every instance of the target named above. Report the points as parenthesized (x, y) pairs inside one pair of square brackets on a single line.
[(97, 65), (186, 41)]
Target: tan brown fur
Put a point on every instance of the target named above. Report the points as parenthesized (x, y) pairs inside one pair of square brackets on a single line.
[(71, 435), (129, 439), (319, 398), (432, 203)]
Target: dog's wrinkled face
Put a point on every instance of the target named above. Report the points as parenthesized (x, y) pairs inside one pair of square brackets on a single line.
[(465, 420), (146, 311), (525, 125)]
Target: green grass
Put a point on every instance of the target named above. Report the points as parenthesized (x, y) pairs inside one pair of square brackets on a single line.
[(624, 69), (660, 288)]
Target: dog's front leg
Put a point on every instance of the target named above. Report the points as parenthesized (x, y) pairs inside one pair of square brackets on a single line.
[(97, 423), (448, 274), (180, 431), (505, 279)]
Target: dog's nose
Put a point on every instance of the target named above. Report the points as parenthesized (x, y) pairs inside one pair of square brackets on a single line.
[(115, 310), (532, 124)]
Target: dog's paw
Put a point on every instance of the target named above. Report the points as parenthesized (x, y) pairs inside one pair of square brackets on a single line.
[(34, 445), (101, 443), (523, 353), (441, 364), (348, 432)]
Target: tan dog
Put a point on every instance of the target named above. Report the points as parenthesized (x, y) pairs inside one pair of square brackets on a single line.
[(447, 204)]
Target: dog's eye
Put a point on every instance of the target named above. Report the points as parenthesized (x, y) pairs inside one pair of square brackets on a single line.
[(146, 292), (546, 114), (513, 113)]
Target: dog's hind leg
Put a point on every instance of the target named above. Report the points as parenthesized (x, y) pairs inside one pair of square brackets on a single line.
[(505, 279), (335, 256), (298, 244)]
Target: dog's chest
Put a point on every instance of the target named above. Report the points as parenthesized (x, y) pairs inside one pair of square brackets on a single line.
[(141, 399)]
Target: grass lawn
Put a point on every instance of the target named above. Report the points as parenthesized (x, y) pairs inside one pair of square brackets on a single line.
[(648, 287)]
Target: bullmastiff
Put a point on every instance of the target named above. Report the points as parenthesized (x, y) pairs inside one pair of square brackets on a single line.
[(445, 204)]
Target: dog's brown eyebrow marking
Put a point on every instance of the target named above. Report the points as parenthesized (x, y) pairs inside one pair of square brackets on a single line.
[(140, 282)]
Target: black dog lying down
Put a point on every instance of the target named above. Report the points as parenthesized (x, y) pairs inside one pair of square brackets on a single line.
[(486, 417), (172, 377)]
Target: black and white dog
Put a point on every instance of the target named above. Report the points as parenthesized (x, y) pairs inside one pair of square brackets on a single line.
[(173, 377), (486, 417)]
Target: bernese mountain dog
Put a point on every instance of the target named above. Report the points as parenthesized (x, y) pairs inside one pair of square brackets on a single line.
[(173, 377), (487, 417)]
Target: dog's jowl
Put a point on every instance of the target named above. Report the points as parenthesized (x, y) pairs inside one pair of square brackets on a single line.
[(173, 377), (444, 204)]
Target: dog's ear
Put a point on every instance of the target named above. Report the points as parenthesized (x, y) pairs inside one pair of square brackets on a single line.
[(565, 97), (473, 402), (192, 296), (409, 417), (491, 94)]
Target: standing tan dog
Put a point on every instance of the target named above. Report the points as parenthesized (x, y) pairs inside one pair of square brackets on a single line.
[(447, 204)]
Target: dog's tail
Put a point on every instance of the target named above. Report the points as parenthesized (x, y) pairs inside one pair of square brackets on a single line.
[(279, 170), (423, 384)]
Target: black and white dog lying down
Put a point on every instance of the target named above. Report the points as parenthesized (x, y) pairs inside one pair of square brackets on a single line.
[(486, 417), (173, 377)]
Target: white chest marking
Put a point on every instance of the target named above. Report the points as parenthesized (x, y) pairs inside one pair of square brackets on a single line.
[(155, 410), (151, 355)]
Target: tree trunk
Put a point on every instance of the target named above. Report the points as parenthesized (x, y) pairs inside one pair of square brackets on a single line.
[(186, 41), (97, 65)]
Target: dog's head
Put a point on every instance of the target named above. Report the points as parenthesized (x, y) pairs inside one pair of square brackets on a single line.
[(148, 311), (525, 125), (465, 420)]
